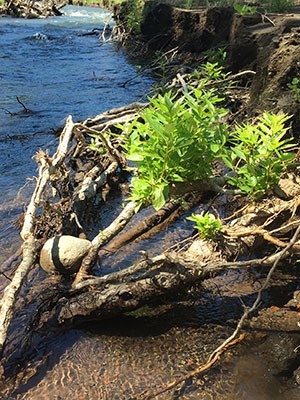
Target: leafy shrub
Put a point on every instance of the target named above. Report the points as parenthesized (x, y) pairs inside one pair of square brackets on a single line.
[(177, 142), (135, 16), (258, 155), (178, 139), (245, 9), (216, 56), (206, 224)]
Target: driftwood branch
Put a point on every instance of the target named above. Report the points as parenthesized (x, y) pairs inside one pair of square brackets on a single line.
[(114, 113), (94, 180), (145, 282), (47, 168)]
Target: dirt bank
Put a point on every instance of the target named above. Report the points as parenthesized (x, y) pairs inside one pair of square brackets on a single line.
[(268, 45)]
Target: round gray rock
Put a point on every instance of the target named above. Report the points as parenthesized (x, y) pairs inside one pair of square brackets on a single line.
[(63, 254)]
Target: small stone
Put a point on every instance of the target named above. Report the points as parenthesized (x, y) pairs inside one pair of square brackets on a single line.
[(202, 250), (63, 254), (288, 187)]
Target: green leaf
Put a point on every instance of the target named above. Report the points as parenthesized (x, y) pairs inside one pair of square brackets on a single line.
[(135, 157), (160, 194)]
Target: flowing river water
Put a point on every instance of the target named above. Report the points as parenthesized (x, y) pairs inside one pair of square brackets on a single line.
[(55, 71)]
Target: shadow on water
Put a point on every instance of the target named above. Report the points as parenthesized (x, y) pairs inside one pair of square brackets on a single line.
[(116, 359)]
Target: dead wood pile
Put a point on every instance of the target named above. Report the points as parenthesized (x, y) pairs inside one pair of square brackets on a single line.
[(32, 8), (76, 174)]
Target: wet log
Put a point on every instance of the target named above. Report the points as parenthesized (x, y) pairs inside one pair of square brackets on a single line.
[(144, 225), (147, 282), (153, 223)]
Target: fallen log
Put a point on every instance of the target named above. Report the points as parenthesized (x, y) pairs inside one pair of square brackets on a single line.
[(143, 225), (147, 282)]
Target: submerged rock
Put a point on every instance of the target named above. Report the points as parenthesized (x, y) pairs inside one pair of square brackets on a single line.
[(63, 254)]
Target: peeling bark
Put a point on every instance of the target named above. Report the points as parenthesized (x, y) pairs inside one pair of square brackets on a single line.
[(48, 167)]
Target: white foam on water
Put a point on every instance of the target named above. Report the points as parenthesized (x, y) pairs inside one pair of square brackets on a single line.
[(84, 16)]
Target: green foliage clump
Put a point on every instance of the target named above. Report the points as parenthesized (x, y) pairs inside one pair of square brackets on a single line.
[(134, 16), (210, 71), (177, 142), (295, 87), (206, 224), (258, 155), (217, 56), (245, 9), (179, 139)]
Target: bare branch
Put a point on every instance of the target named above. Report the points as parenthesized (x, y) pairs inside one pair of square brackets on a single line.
[(47, 167)]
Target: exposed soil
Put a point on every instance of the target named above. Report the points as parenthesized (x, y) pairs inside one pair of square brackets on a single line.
[(269, 45)]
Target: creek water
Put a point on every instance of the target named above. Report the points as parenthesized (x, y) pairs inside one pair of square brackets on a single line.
[(55, 71)]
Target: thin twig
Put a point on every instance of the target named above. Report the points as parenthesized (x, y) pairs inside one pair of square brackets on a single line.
[(248, 311), (197, 371), (23, 105)]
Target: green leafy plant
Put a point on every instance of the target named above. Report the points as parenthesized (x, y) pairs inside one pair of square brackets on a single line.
[(245, 9), (211, 74), (295, 87), (258, 154), (177, 141), (217, 56), (206, 224), (213, 71), (161, 66), (135, 16)]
